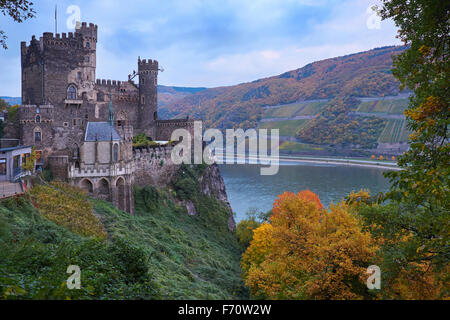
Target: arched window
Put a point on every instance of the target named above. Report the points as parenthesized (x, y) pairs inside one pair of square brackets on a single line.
[(155, 115), (97, 111), (38, 119), (37, 134), (115, 152), (121, 119), (38, 110), (72, 92), (75, 151)]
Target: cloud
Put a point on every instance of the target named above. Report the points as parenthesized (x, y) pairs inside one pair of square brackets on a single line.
[(204, 42)]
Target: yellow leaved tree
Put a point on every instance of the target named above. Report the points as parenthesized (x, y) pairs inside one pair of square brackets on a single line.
[(307, 252)]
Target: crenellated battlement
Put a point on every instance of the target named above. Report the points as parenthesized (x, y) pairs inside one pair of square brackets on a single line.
[(101, 170), (108, 82), (27, 107), (86, 30), (142, 152), (57, 36), (147, 64), (91, 26), (70, 39)]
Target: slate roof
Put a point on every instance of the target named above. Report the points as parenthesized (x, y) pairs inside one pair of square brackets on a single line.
[(100, 131), (13, 148)]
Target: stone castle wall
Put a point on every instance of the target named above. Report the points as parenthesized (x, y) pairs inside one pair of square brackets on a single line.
[(164, 128), (153, 166)]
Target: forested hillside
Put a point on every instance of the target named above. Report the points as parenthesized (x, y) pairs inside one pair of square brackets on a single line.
[(359, 75)]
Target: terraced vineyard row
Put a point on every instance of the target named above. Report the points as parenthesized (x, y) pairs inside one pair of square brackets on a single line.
[(398, 106), (295, 109), (383, 106), (287, 127), (394, 131)]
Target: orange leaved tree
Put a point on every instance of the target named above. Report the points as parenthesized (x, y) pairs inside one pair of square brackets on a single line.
[(307, 252)]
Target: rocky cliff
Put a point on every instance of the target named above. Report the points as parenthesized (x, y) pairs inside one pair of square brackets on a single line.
[(212, 184), (154, 167)]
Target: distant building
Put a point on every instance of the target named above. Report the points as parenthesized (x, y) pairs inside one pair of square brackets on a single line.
[(11, 160)]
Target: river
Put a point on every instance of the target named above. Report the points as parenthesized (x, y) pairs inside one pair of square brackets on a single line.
[(246, 188)]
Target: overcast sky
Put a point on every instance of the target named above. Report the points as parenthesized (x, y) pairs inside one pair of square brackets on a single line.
[(205, 43)]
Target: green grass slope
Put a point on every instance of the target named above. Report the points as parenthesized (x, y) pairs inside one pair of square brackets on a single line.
[(159, 253)]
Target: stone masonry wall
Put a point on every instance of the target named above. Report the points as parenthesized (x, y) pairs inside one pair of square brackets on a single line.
[(153, 166)]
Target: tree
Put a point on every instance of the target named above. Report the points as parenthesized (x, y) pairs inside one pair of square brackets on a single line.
[(307, 252), (244, 231), (245, 228), (421, 189), (408, 269), (28, 165), (423, 68), (3, 104), (19, 10)]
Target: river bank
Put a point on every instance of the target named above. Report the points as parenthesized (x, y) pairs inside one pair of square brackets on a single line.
[(389, 165), (287, 159)]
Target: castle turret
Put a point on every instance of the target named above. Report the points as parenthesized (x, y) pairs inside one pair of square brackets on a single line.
[(148, 81), (45, 81)]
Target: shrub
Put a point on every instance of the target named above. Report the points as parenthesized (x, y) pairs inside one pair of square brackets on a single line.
[(244, 231), (67, 206)]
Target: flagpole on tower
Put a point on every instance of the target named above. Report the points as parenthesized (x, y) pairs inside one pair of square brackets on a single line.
[(56, 20)]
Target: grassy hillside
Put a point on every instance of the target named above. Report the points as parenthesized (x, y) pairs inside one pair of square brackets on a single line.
[(361, 74), (159, 253)]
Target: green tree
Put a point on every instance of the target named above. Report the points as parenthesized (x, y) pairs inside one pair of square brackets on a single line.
[(3, 104), (419, 225), (19, 10)]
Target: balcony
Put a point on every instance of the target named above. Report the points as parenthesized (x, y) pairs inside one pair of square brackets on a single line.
[(73, 101)]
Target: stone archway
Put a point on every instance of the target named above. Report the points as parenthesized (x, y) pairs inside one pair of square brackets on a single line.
[(121, 194), (103, 190), (87, 186)]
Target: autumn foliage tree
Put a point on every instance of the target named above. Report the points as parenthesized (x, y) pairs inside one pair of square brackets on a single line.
[(408, 269), (417, 222), (308, 252)]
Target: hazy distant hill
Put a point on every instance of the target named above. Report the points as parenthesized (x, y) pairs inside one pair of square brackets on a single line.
[(12, 100), (360, 75), (168, 94)]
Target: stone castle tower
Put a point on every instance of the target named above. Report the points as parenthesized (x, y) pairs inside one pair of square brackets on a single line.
[(50, 65), (80, 126), (148, 82)]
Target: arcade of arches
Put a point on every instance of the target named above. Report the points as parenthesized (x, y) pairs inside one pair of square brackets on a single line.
[(117, 190)]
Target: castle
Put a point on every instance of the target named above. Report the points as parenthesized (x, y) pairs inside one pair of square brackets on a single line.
[(82, 127)]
